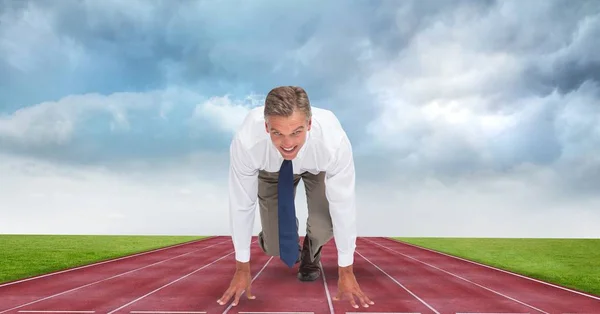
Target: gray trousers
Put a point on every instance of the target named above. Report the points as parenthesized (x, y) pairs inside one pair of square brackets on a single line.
[(319, 227)]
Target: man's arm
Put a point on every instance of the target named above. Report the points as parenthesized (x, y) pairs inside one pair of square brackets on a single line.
[(340, 182), (341, 196), (243, 188), (243, 185)]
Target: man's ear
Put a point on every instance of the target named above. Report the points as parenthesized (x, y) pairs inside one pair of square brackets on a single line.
[(266, 127), (309, 123)]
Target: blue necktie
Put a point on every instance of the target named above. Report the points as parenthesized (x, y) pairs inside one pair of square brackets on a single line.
[(289, 246)]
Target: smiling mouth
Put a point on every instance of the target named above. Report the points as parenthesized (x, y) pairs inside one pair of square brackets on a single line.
[(289, 150)]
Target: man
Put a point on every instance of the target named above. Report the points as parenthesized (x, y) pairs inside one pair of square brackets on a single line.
[(275, 147)]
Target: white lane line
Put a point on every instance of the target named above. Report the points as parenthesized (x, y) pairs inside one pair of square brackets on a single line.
[(462, 278), (167, 312), (109, 278), (172, 282), (489, 313), (500, 270), (104, 262), (54, 311), (255, 276), (276, 312), (396, 281), (326, 289), (382, 313)]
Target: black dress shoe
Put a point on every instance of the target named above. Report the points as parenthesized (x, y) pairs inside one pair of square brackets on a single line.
[(308, 270)]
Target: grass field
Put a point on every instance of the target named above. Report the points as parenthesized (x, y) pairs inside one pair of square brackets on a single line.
[(29, 255), (573, 263)]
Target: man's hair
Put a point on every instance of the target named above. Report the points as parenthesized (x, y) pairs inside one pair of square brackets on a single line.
[(284, 100)]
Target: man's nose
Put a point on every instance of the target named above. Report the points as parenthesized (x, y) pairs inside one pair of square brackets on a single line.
[(287, 141)]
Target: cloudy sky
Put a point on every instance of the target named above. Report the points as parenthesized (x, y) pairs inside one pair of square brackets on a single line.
[(468, 118)]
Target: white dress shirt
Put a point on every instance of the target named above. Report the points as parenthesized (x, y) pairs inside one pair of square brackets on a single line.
[(327, 148)]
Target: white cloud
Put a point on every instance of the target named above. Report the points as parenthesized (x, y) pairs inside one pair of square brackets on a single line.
[(454, 89), (224, 113), (57, 122), (42, 124)]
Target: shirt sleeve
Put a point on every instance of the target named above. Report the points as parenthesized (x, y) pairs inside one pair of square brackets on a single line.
[(340, 183), (243, 188)]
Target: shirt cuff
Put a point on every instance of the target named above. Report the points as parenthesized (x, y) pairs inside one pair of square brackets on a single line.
[(345, 259), (242, 256)]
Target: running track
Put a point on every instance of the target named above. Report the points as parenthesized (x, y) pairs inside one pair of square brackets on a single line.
[(189, 278)]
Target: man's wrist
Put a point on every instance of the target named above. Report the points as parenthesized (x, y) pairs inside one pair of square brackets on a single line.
[(345, 270), (242, 266)]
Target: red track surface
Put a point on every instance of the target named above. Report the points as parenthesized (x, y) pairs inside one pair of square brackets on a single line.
[(189, 278)]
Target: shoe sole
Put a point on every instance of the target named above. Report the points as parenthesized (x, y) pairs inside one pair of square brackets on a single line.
[(308, 278)]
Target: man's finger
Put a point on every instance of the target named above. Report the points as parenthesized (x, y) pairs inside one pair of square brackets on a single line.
[(352, 301), (350, 297), (249, 293), (363, 299), (225, 298), (369, 301), (238, 294)]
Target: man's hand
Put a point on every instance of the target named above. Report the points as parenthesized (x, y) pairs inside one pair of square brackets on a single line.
[(348, 288), (241, 281)]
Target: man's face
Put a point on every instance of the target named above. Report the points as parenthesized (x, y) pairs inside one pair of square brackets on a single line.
[(288, 133)]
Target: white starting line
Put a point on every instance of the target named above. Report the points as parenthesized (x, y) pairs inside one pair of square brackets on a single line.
[(276, 312), (57, 311), (167, 312)]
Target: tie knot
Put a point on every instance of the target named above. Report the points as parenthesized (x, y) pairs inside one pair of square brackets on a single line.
[(286, 164)]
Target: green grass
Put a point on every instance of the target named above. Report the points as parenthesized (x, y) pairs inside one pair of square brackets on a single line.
[(22, 256), (573, 263)]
